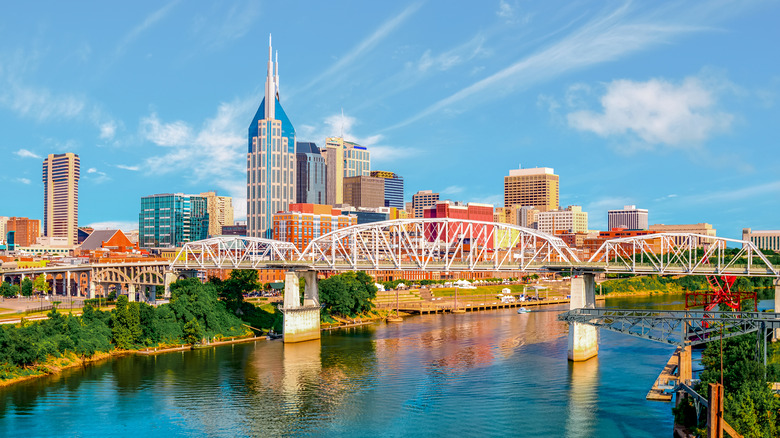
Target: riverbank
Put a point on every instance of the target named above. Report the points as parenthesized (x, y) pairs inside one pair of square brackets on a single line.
[(57, 365), (185, 347)]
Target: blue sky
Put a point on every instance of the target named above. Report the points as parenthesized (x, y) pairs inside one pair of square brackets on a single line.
[(672, 106)]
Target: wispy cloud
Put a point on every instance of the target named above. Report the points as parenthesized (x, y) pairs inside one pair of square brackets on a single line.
[(24, 153), (450, 58), (452, 190), (215, 152), (97, 176), (741, 194), (364, 46), (655, 112), (218, 29), (339, 125), (114, 225), (602, 39), (23, 180), (126, 167), (138, 30), (107, 130)]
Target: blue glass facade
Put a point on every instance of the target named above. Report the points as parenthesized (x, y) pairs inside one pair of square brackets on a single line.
[(394, 192), (171, 220)]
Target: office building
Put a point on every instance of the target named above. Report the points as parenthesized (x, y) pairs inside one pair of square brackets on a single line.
[(303, 223), (310, 174), (629, 218), (61, 196), (3, 220), (570, 220), (422, 200), (220, 210), (270, 160), (394, 188), (528, 217), (537, 187), (171, 220), (343, 159), (702, 229), (364, 191), (763, 239), (25, 231)]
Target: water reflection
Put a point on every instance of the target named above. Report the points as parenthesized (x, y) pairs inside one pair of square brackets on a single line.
[(583, 398)]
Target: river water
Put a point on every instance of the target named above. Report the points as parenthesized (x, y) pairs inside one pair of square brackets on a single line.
[(493, 373)]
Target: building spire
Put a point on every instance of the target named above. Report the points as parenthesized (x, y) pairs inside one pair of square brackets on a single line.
[(270, 85), (276, 75)]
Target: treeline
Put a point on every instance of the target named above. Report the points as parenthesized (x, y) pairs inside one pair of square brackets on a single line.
[(749, 404), (681, 284), (195, 311), (347, 294)]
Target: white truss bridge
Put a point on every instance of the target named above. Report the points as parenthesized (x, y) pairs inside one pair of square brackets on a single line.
[(454, 245), (403, 244)]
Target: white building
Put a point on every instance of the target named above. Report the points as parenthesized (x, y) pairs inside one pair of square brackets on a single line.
[(763, 239), (572, 220), (629, 218)]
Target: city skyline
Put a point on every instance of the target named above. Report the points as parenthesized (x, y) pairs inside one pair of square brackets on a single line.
[(667, 107)]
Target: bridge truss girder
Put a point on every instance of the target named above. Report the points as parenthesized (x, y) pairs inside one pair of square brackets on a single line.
[(233, 252), (678, 253), (436, 244), (681, 328)]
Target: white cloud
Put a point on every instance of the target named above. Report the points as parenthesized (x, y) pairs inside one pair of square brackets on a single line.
[(108, 130), (24, 153), (148, 22), (126, 167), (236, 22), (97, 176), (452, 190), (505, 10), (114, 225), (40, 104), (458, 55), (23, 180), (655, 112), (214, 153), (176, 133), (602, 39), (340, 125), (364, 46)]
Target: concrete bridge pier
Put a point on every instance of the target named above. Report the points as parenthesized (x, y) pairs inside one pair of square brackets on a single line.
[(301, 321), (583, 339), (168, 278), (92, 288), (130, 292)]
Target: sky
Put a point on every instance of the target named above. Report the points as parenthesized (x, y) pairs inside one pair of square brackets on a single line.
[(669, 106)]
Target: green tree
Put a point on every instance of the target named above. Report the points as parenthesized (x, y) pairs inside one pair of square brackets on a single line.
[(27, 287), (192, 332), (126, 324), (8, 290), (41, 285), (348, 293)]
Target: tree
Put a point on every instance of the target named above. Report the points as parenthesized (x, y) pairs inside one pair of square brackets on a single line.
[(27, 287), (192, 332), (126, 324), (349, 293), (41, 285), (8, 290)]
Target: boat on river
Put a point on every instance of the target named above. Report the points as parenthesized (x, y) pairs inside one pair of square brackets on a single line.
[(523, 310)]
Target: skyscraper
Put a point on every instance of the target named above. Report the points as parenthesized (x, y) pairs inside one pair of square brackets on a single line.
[(171, 220), (364, 191), (344, 159), (394, 188), (61, 196), (630, 218), (270, 161), (220, 209), (536, 188), (422, 200), (310, 174)]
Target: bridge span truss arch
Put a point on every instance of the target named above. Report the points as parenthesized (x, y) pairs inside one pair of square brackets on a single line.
[(234, 252), (681, 254), (442, 244)]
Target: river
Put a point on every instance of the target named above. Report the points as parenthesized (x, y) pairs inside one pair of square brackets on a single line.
[(493, 373)]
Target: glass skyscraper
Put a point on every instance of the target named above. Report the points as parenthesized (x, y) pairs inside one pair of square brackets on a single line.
[(310, 174), (270, 161), (171, 220)]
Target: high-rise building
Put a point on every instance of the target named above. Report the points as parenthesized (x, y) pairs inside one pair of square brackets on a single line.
[(571, 220), (364, 191), (171, 220), (537, 187), (629, 218), (61, 196), (344, 159), (763, 239), (394, 188), (310, 174), (270, 161), (3, 220), (220, 210), (422, 200), (26, 231)]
